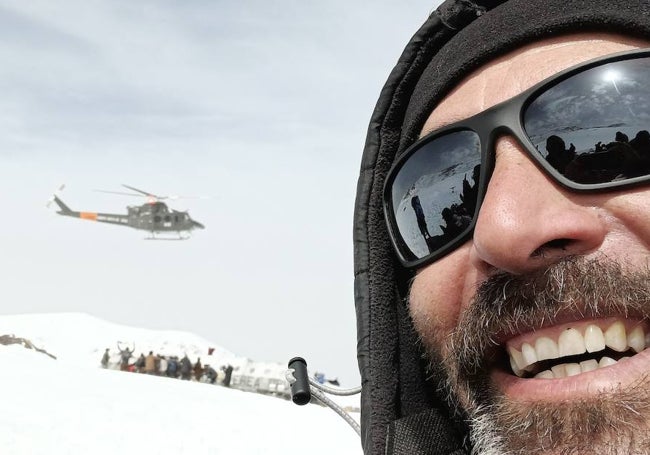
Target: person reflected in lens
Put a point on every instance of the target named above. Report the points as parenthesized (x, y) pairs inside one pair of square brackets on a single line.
[(458, 216), (558, 155), (419, 215), (615, 160), (470, 191), (641, 144), (621, 137)]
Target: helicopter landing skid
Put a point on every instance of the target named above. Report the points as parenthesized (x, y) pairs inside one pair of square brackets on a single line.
[(180, 237)]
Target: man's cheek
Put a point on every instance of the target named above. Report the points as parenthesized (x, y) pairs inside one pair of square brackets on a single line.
[(630, 221), (431, 306), (440, 291)]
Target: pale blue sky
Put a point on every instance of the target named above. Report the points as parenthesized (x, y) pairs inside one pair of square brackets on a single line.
[(261, 105)]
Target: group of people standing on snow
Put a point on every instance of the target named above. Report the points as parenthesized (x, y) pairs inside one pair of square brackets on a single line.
[(168, 366)]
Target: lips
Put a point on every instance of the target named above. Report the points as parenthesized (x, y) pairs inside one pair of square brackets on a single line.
[(578, 347)]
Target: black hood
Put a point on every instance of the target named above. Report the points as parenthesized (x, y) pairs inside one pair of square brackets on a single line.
[(400, 409)]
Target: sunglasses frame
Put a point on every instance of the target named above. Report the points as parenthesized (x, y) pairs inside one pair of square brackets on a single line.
[(505, 118)]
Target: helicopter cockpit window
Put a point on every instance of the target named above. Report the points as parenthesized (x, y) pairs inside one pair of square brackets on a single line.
[(157, 219)]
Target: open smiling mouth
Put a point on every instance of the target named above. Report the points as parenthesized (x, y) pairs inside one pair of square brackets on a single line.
[(575, 348)]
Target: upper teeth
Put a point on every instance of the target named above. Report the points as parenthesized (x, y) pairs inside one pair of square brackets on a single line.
[(574, 341)]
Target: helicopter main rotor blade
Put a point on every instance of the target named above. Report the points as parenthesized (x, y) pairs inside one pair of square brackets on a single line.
[(160, 198), (119, 192), (175, 197), (143, 192)]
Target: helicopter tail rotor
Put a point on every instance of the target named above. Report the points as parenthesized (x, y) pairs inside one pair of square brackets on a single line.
[(55, 196)]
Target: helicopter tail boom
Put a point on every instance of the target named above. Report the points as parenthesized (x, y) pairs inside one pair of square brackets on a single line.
[(67, 211), (110, 218)]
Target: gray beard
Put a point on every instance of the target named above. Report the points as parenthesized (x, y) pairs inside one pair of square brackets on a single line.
[(614, 423), (617, 421)]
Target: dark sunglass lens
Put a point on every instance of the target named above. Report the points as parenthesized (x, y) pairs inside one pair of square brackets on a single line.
[(594, 127), (435, 191)]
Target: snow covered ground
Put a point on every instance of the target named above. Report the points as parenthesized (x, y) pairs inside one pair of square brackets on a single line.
[(71, 406)]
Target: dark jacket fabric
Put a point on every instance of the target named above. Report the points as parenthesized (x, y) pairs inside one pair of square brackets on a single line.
[(401, 410)]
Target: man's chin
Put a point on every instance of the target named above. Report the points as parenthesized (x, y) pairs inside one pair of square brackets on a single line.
[(616, 420)]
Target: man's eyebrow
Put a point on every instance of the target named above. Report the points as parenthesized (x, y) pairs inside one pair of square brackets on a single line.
[(438, 125)]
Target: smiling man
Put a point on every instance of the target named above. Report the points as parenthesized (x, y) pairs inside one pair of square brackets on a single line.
[(503, 234)]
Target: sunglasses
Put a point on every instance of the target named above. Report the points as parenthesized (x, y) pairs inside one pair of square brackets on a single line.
[(587, 127)]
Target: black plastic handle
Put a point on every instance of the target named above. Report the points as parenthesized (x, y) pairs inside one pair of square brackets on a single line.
[(300, 391)]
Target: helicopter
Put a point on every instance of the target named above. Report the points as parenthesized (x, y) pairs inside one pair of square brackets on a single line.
[(153, 216)]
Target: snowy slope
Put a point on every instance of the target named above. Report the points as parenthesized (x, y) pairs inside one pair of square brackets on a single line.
[(81, 338), (67, 406)]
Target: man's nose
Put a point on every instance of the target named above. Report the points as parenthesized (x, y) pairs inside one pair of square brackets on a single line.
[(527, 220)]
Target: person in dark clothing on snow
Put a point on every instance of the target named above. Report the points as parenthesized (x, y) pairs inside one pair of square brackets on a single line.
[(525, 331), (227, 369), (139, 364), (210, 374), (172, 367), (198, 369), (106, 358), (125, 356), (186, 368)]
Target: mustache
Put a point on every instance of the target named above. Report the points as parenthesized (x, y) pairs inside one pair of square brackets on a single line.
[(508, 304)]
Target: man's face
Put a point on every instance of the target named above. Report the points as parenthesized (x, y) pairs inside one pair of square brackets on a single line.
[(547, 274)]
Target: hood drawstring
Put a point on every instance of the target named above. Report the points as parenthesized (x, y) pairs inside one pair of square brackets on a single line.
[(303, 388)]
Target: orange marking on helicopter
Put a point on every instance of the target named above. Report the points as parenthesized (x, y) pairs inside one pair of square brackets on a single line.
[(88, 216)]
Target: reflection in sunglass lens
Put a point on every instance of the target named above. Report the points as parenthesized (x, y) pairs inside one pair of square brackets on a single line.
[(594, 127), (434, 193)]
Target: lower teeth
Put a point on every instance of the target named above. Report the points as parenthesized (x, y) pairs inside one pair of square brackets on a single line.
[(571, 369)]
